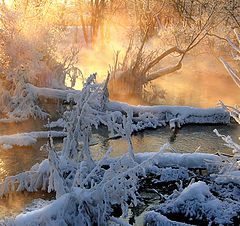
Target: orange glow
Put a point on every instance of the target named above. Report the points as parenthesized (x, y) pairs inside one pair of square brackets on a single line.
[(180, 86), (8, 2)]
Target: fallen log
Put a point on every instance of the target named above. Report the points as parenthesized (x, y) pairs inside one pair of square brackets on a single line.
[(175, 116)]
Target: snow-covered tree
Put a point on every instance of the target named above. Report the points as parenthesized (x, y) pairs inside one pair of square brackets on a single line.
[(30, 58), (140, 64), (234, 164), (89, 189)]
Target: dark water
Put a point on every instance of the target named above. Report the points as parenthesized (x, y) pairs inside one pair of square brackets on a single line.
[(187, 139)]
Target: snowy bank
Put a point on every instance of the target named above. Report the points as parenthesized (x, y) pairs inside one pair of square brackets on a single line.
[(144, 117), (28, 139), (187, 160), (117, 183)]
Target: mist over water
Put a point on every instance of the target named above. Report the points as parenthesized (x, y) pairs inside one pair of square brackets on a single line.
[(202, 82)]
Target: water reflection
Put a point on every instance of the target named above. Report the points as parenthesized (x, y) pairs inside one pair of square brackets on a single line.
[(17, 160), (3, 170), (187, 139), (21, 127), (16, 203), (20, 159)]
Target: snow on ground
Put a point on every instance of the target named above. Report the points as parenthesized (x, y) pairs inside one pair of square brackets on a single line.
[(229, 177), (196, 201), (152, 218), (27, 139), (187, 160)]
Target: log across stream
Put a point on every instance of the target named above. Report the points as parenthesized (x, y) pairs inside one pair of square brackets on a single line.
[(187, 139)]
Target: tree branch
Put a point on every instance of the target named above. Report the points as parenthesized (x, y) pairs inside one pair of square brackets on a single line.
[(159, 58), (162, 72)]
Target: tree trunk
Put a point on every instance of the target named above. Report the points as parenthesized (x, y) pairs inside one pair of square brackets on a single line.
[(85, 31)]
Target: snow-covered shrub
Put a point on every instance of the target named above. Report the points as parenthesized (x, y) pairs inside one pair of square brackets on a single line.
[(234, 111), (121, 125), (230, 172), (92, 197), (89, 189), (235, 149), (34, 179), (89, 206), (197, 202), (234, 73), (87, 113), (30, 57), (30, 54), (24, 103), (169, 174)]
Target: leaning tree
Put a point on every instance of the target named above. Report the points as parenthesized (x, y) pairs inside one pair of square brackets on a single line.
[(141, 65)]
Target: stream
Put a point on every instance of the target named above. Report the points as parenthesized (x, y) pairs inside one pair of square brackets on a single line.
[(187, 139)]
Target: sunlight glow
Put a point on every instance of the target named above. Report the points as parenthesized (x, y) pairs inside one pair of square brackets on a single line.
[(7, 2)]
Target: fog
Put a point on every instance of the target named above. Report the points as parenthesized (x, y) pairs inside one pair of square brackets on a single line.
[(202, 82)]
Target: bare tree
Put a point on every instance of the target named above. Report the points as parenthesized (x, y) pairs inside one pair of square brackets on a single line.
[(140, 67), (94, 16)]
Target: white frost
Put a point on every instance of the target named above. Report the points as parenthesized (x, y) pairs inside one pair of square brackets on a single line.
[(196, 201), (27, 139), (152, 218)]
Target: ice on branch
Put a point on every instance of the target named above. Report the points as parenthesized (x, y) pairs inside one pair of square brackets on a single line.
[(196, 201), (90, 191), (236, 49)]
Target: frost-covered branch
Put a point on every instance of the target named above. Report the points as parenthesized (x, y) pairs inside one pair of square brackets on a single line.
[(234, 72)]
